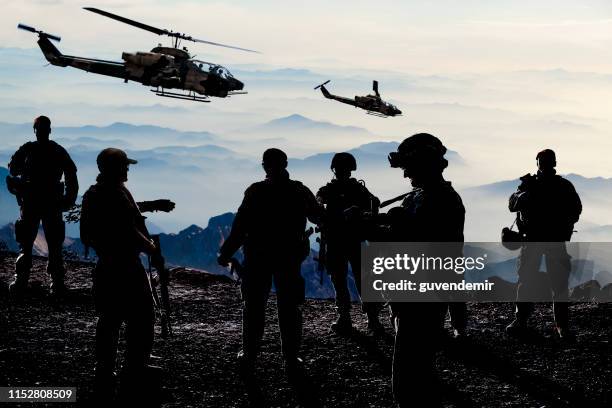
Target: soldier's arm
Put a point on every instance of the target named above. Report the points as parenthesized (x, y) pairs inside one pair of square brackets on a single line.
[(514, 203), (17, 162), (164, 205), (238, 232), (370, 201), (314, 208), (519, 199), (574, 203), (72, 182), (322, 195)]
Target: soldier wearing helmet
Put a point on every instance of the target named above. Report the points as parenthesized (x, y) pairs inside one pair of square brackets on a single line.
[(269, 226), (36, 173), (343, 236), (431, 212), (112, 224), (547, 208)]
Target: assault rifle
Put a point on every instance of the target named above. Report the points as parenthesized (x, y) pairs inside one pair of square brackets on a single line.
[(162, 301)]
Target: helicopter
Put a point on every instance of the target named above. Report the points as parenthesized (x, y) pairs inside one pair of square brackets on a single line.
[(162, 68), (373, 104)]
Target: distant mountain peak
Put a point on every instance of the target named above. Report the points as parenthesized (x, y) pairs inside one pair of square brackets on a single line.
[(300, 122)]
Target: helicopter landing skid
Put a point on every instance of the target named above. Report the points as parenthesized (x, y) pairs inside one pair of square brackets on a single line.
[(380, 115), (191, 96)]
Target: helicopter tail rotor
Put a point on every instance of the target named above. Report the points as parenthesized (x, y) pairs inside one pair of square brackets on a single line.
[(323, 84), (40, 33)]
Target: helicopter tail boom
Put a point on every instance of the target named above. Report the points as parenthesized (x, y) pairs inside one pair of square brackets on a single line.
[(51, 53)]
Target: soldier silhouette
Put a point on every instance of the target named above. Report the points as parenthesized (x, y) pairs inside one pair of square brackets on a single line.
[(547, 208), (343, 237), (270, 225), (36, 172), (431, 212), (112, 224)]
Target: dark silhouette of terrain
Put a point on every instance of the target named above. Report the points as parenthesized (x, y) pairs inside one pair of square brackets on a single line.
[(46, 343)]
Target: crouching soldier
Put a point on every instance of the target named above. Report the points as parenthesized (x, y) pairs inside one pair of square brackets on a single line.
[(112, 224)]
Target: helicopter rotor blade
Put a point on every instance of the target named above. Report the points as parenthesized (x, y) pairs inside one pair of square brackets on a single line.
[(26, 27), (134, 23), (323, 84), (219, 45), (160, 31), (40, 33)]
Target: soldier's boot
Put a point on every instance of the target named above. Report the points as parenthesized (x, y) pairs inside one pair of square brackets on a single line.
[(246, 371), (343, 325), (561, 312), (374, 325), (458, 316), (295, 370), (57, 273), (140, 387), (519, 327), (23, 265), (104, 388)]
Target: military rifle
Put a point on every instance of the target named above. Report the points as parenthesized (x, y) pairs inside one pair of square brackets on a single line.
[(157, 261), (322, 257), (393, 200)]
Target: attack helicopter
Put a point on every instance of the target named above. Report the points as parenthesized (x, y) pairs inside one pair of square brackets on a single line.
[(373, 104), (162, 68)]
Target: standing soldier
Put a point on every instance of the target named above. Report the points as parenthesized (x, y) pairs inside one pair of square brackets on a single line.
[(548, 207), (344, 238), (270, 225), (36, 171), (112, 224), (431, 212)]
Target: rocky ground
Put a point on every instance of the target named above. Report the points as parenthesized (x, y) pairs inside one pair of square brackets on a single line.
[(46, 343)]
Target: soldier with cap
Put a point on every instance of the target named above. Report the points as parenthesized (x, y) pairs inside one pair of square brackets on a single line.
[(343, 237), (431, 212), (36, 172), (112, 224), (547, 208), (270, 225)]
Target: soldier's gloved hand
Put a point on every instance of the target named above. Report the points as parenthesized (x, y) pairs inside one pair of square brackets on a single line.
[(223, 260), (149, 246), (164, 205)]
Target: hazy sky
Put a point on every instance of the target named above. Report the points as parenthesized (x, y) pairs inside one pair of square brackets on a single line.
[(420, 36)]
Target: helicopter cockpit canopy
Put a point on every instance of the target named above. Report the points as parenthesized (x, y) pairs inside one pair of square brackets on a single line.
[(209, 68)]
